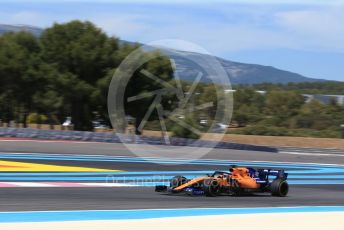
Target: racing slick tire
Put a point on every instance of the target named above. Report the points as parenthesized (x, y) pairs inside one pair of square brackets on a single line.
[(279, 187), (177, 181), (211, 187)]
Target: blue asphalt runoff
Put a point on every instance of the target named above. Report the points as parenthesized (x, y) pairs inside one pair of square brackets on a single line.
[(312, 171), (295, 182), (139, 178), (314, 168), (88, 215), (114, 176), (56, 157)]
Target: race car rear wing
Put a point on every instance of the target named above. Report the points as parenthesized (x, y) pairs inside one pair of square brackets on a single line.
[(280, 174)]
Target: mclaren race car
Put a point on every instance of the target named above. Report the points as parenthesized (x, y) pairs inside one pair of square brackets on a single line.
[(237, 181)]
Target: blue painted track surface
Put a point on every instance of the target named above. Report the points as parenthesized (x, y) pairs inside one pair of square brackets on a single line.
[(43, 216), (299, 173)]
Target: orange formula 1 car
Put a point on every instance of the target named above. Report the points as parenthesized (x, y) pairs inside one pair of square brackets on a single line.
[(238, 181)]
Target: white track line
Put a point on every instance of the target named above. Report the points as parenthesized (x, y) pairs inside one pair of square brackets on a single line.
[(59, 141), (27, 184), (62, 184), (312, 154), (185, 159)]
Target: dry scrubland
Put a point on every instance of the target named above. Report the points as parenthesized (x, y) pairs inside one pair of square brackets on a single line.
[(304, 142)]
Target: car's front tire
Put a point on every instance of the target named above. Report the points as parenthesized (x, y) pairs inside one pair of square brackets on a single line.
[(211, 187), (177, 181)]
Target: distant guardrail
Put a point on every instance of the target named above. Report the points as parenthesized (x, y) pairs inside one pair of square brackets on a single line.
[(115, 138)]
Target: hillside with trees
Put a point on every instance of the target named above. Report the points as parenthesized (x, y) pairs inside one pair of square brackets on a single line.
[(284, 112), (66, 72)]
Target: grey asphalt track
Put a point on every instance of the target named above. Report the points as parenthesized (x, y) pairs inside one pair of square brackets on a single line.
[(115, 149), (20, 199), (29, 199)]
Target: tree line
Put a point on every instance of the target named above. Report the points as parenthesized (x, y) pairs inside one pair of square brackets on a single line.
[(281, 112), (66, 72), (320, 87)]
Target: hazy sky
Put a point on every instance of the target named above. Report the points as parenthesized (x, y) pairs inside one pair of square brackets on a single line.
[(307, 37)]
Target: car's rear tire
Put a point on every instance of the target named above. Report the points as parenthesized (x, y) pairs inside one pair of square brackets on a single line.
[(279, 187), (177, 181), (211, 187)]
